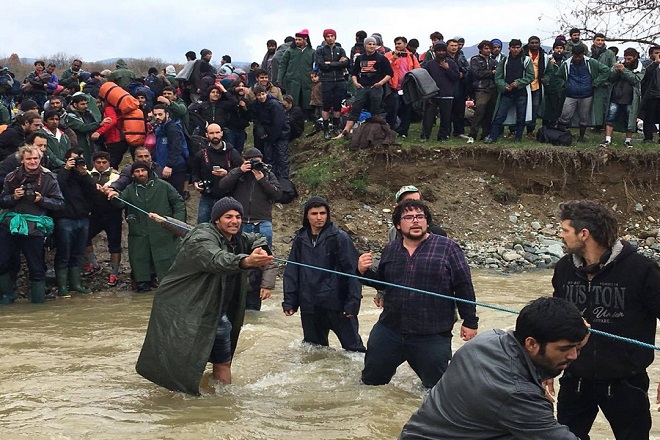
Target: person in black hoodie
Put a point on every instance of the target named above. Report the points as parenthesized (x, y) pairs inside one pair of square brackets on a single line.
[(72, 222), (444, 72), (618, 292), (274, 130), (326, 301)]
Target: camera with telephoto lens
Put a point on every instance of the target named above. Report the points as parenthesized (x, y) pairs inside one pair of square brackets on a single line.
[(206, 186), (257, 165), (29, 192), (402, 54), (79, 161)]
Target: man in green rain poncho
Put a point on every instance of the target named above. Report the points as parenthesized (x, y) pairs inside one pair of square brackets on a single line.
[(199, 307)]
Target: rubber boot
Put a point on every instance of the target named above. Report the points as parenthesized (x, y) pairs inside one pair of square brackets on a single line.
[(326, 128), (6, 289), (62, 277), (74, 280), (38, 291)]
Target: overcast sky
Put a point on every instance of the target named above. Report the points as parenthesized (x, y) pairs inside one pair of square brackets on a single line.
[(167, 29)]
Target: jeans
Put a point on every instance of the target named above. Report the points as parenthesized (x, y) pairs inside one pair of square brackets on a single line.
[(205, 207), (316, 328), (506, 101), (427, 355), (264, 228), (236, 138), (276, 153), (70, 241), (221, 350), (370, 98), (624, 403), (615, 110)]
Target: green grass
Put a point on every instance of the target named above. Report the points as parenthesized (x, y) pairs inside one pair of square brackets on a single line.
[(319, 173)]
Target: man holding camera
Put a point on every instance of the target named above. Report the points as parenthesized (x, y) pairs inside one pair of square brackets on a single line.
[(256, 188), (28, 194), (402, 62), (209, 166), (72, 222)]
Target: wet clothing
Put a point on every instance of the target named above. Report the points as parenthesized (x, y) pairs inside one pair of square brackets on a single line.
[(491, 390), (122, 76), (187, 307), (293, 72), (622, 298), (84, 124), (322, 297), (58, 144)]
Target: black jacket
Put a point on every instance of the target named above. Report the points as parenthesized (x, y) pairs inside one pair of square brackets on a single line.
[(271, 116), (214, 113), (446, 80), (481, 71), (79, 191), (336, 70), (205, 159), (11, 139), (623, 298), (256, 196), (333, 249)]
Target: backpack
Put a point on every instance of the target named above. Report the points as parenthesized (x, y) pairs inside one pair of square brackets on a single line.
[(554, 136), (195, 143), (155, 84), (6, 83), (289, 191)]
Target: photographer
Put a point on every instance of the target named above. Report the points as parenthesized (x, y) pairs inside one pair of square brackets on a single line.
[(210, 165), (72, 222), (28, 194), (402, 62), (256, 187)]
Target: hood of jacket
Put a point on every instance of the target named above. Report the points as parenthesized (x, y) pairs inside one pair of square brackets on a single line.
[(121, 64), (313, 202)]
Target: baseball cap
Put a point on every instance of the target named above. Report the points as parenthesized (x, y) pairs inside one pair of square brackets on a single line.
[(404, 189)]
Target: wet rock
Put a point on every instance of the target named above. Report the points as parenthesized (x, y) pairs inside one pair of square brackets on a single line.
[(513, 219), (535, 225), (639, 207), (511, 256), (646, 234), (556, 250), (491, 261)]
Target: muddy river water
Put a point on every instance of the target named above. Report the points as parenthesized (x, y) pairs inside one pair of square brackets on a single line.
[(67, 372)]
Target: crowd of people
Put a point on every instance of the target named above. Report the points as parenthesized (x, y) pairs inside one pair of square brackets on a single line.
[(63, 184)]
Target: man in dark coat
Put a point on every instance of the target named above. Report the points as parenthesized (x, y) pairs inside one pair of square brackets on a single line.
[(327, 301), (274, 130), (14, 136)]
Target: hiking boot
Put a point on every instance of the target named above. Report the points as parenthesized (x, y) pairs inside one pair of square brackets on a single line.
[(90, 270), (628, 144), (113, 280)]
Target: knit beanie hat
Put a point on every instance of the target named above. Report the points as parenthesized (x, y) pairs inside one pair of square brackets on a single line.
[(496, 41), (139, 164), (28, 104), (370, 40), (252, 152), (223, 205), (329, 31), (303, 34)]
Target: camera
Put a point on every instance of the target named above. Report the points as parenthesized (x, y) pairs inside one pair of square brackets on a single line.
[(206, 186), (30, 194), (257, 165), (79, 161), (401, 54)]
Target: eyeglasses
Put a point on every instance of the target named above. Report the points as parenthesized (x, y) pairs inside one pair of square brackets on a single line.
[(411, 218)]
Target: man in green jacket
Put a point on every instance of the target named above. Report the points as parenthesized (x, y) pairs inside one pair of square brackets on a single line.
[(294, 70), (58, 141), (83, 122), (199, 307), (122, 76), (149, 245)]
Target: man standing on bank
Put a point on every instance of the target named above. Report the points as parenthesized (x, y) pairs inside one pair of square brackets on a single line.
[(416, 327)]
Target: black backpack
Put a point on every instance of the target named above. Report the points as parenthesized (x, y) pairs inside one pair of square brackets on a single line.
[(554, 136), (289, 191)]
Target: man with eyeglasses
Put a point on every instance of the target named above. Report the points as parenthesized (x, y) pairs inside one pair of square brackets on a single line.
[(416, 327)]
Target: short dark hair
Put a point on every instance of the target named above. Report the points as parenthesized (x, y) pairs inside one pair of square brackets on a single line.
[(361, 35), (436, 36), (258, 89), (404, 39), (227, 58), (161, 107), (51, 65), (578, 50), (78, 99), (574, 31), (76, 59), (205, 52), (615, 50), (32, 136), (289, 39), (599, 35), (532, 38), (549, 319), (55, 98), (43, 63), (410, 205), (485, 43), (271, 43), (191, 55), (653, 48), (597, 218), (100, 155), (414, 42), (451, 40), (630, 52), (260, 72), (71, 151), (169, 89), (29, 117), (288, 98), (50, 113)]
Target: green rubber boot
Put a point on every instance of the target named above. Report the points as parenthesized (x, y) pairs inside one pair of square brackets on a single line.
[(74, 280), (6, 289), (38, 291), (62, 276)]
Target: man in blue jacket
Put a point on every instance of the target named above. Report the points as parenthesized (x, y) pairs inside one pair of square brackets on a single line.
[(327, 301), (171, 148)]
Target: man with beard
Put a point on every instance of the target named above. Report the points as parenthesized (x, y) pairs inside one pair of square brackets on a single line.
[(416, 327), (618, 292), (496, 53), (574, 42), (271, 47), (171, 148), (14, 136), (482, 71), (498, 376), (58, 141), (294, 70), (626, 95), (71, 76), (539, 60)]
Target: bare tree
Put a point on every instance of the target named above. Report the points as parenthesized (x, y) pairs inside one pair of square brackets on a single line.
[(634, 21)]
